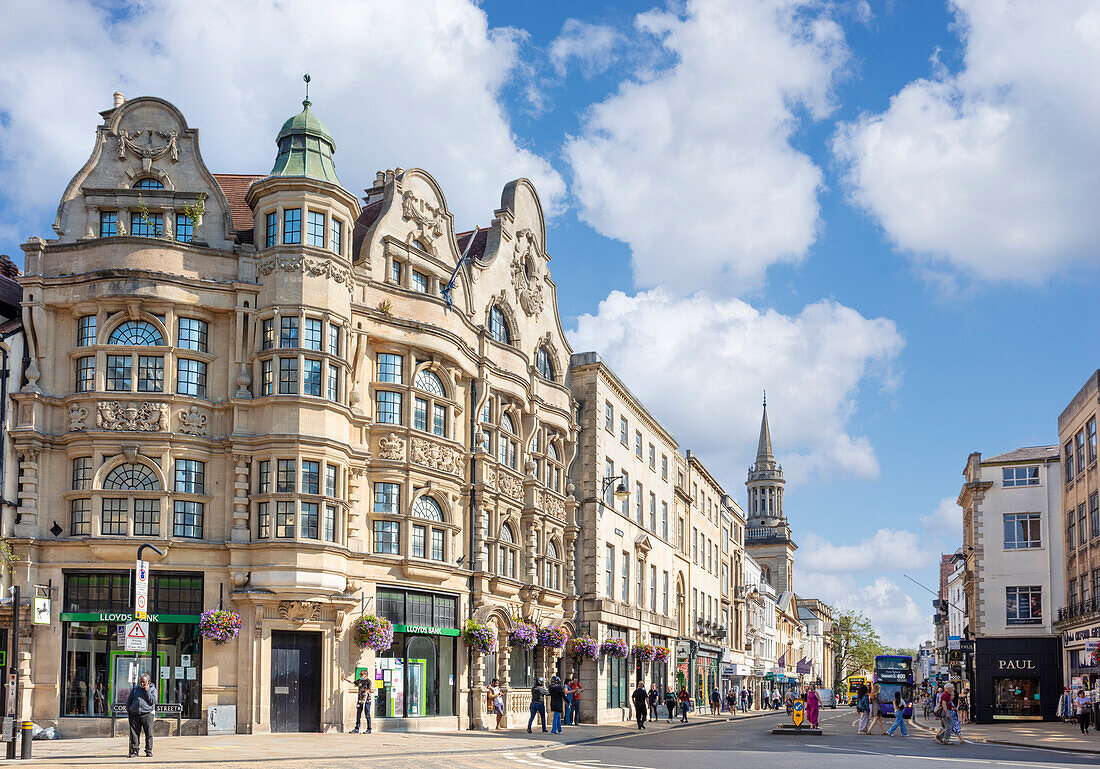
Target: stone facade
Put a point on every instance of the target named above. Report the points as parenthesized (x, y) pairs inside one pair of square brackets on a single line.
[(260, 375)]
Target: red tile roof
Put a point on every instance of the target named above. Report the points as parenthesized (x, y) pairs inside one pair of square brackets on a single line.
[(235, 187)]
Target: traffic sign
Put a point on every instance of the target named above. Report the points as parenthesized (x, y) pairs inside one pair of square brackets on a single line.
[(137, 636), (141, 590), (798, 712)]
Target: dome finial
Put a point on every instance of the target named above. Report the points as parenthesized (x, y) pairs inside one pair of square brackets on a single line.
[(306, 102)]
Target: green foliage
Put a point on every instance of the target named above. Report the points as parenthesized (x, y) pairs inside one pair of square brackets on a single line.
[(855, 643), (195, 212)]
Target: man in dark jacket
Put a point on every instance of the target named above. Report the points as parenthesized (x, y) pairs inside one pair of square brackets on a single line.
[(557, 703), (141, 707), (641, 701), (654, 700), (538, 704)]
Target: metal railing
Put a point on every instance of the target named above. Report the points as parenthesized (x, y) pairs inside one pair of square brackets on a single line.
[(1079, 609)]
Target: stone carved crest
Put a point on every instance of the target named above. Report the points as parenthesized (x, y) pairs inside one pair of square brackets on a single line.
[(78, 418), (526, 278), (192, 421), (299, 611), (128, 142), (391, 447), (553, 505), (510, 485), (426, 218), (489, 476), (436, 456), (146, 417), (317, 268)]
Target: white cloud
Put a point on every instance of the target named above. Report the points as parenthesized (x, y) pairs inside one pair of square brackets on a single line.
[(993, 170), (415, 83), (691, 164), (699, 364), (945, 522), (895, 614), (883, 551), (592, 46)]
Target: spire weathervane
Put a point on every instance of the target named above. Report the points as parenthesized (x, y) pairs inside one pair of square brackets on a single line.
[(765, 399), (306, 102)]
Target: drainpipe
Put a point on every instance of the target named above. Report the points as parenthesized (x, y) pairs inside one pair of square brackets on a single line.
[(470, 537)]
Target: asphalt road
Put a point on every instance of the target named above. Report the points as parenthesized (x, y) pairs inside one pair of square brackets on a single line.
[(749, 744)]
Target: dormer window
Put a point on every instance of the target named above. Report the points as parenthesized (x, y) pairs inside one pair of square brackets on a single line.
[(420, 245), (498, 326), (544, 363), (149, 183), (146, 225), (108, 224)]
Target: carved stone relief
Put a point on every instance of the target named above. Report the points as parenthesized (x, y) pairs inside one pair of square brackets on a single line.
[(526, 278), (427, 219), (553, 505), (436, 456), (510, 485), (299, 611), (391, 447), (146, 417), (78, 418), (317, 268), (127, 142), (192, 421)]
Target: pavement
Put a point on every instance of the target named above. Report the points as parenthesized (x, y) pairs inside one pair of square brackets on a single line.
[(1054, 735), (398, 750)]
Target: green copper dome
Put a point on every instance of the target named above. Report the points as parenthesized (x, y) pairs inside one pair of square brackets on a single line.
[(305, 148)]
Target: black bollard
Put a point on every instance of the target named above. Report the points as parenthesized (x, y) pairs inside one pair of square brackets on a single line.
[(27, 736)]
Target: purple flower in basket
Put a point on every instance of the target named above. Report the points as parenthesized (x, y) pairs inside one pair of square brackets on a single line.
[(661, 654), (219, 626), (371, 632), (522, 636), (480, 638), (583, 648), (553, 637), (643, 652), (614, 647)]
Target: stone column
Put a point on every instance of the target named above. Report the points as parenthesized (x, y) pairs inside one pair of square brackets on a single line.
[(356, 477), (28, 494), (92, 230), (241, 531)]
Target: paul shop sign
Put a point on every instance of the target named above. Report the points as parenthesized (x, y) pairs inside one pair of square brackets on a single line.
[(1017, 666)]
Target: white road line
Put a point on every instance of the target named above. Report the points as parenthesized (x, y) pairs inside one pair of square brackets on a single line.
[(1028, 764)]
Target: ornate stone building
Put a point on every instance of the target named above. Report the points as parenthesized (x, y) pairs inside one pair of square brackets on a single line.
[(769, 538), (314, 406)]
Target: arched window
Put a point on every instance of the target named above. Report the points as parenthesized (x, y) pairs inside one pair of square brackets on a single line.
[(132, 477), (498, 326), (149, 183), (420, 244), (507, 424), (429, 383), (551, 568), (138, 333), (506, 445), (427, 508), (552, 549), (427, 541), (553, 468), (544, 363), (507, 554)]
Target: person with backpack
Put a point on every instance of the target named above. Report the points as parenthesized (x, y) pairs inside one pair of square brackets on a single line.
[(539, 693), (899, 716)]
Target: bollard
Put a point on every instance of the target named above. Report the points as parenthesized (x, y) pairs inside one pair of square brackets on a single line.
[(27, 736)]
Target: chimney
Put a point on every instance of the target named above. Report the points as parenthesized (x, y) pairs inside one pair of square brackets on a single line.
[(119, 99)]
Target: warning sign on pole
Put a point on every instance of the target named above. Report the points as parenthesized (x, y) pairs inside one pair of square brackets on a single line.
[(141, 590), (137, 636)]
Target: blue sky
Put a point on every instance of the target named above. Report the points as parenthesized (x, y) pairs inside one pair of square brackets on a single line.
[(882, 212)]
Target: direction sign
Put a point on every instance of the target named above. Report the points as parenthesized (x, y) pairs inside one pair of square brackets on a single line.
[(141, 590), (137, 636)]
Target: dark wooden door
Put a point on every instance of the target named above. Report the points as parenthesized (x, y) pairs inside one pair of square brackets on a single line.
[(295, 682)]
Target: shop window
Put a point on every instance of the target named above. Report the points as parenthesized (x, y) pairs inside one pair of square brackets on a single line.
[(618, 691)]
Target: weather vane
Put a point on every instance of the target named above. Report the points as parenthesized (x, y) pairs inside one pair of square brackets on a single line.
[(306, 78)]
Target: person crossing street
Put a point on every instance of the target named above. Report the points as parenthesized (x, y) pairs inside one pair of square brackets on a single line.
[(641, 704)]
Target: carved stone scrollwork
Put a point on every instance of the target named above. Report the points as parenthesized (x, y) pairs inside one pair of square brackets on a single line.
[(553, 505), (490, 477), (78, 418), (299, 612), (510, 485), (192, 421), (127, 143), (391, 447), (436, 456), (426, 218), (526, 278), (147, 417), (317, 268)]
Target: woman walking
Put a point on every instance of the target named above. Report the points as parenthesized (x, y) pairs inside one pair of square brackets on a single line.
[(964, 707), (1084, 710), (876, 710), (812, 703), (670, 703), (899, 716), (685, 703), (863, 707)]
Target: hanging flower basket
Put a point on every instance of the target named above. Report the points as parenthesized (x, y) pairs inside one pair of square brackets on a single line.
[(614, 647), (523, 636), (481, 638), (583, 648), (371, 632), (661, 654), (553, 637), (219, 626), (643, 652)]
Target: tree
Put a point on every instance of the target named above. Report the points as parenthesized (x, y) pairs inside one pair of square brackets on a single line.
[(855, 643)]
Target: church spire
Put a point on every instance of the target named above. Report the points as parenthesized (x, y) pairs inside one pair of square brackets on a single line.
[(764, 447)]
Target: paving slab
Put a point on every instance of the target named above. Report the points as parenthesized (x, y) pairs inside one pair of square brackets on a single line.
[(1054, 735)]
